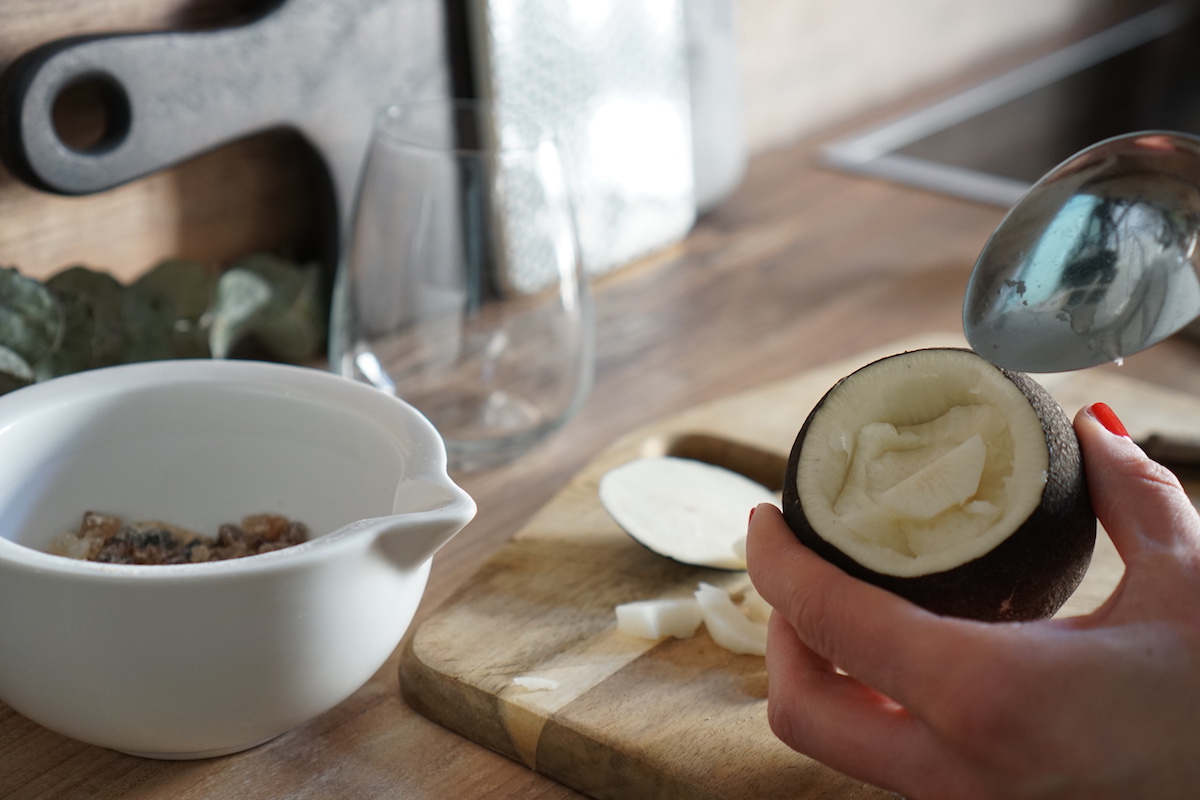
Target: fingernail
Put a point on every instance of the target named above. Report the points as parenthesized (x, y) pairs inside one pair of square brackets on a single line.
[(751, 516), (1108, 418)]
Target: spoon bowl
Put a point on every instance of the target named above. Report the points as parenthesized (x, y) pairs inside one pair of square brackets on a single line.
[(1097, 260)]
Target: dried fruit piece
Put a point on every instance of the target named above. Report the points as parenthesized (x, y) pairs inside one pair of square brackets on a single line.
[(105, 538)]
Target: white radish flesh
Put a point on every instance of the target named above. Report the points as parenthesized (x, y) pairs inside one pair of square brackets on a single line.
[(727, 625), (755, 607), (951, 480), (656, 619), (918, 464), (684, 509)]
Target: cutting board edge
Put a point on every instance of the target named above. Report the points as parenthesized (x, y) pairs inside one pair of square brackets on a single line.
[(422, 687), (654, 438)]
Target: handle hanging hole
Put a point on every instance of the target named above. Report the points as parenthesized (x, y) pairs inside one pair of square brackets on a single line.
[(91, 114)]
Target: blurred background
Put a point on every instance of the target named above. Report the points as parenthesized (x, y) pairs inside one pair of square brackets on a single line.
[(801, 66)]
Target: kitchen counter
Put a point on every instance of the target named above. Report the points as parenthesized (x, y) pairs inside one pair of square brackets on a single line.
[(802, 266)]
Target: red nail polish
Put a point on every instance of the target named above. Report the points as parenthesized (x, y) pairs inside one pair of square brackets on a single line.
[(1106, 417), (751, 516)]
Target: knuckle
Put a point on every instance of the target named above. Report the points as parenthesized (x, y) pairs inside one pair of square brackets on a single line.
[(1147, 480), (1156, 478), (787, 725), (814, 616)]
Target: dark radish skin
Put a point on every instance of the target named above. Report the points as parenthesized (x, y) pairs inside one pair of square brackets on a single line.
[(1030, 574)]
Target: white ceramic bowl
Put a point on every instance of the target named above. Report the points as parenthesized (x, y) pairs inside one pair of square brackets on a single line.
[(198, 660)]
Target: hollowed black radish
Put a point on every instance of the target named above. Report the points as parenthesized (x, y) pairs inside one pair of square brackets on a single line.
[(947, 480)]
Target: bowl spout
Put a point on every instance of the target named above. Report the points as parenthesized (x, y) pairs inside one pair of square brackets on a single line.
[(430, 515)]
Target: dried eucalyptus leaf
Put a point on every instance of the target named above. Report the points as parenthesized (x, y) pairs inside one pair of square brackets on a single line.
[(189, 288), (188, 284), (276, 301), (74, 353), (105, 297), (293, 325), (149, 318), (8, 383), (241, 297), (189, 340), (15, 371), (30, 317)]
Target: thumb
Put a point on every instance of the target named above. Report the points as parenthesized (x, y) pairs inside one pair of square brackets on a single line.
[(1139, 502)]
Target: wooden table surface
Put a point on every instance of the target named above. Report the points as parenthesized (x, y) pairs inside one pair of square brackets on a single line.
[(803, 265)]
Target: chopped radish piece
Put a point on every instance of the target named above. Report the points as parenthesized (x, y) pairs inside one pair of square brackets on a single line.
[(654, 619), (757, 609), (727, 625)]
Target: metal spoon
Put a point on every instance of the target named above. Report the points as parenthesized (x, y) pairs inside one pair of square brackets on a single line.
[(1097, 261)]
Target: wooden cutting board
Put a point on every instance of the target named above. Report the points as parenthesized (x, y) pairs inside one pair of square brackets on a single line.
[(631, 718)]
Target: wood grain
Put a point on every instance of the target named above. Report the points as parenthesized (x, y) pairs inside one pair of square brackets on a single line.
[(256, 194), (686, 719), (801, 267)]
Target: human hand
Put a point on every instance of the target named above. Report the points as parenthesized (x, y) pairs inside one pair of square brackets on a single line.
[(1096, 706)]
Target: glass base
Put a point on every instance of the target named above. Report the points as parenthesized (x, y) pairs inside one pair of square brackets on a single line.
[(473, 455), (489, 430), (483, 427)]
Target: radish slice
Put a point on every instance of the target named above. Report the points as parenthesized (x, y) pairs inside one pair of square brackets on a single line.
[(741, 629), (655, 619), (727, 625), (684, 509), (757, 609)]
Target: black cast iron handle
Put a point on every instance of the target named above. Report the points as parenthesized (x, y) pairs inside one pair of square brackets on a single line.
[(321, 68), (169, 97)]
